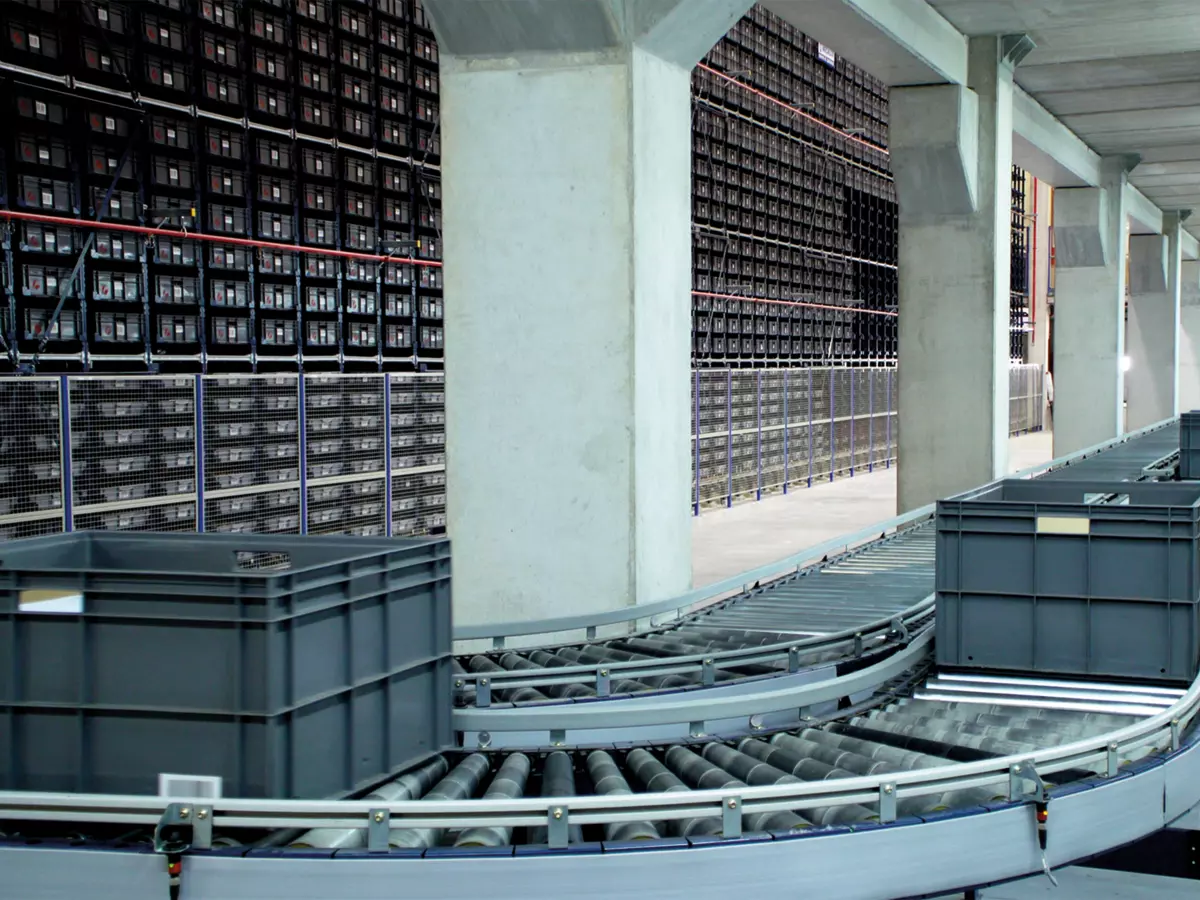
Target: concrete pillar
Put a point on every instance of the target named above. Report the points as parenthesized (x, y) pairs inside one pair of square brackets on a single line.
[(1152, 339), (951, 150), (566, 164), (1189, 337), (1089, 311)]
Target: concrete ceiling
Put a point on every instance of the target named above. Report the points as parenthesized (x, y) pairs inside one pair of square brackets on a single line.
[(1123, 75)]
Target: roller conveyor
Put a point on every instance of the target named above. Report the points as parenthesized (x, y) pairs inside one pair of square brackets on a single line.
[(868, 585), (855, 590), (903, 735)]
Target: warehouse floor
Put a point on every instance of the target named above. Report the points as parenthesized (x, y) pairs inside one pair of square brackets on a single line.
[(728, 541)]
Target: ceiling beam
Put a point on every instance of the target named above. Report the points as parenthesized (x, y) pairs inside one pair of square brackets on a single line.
[(1144, 216)]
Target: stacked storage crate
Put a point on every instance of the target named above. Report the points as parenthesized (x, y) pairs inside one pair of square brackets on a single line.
[(346, 459), (794, 209), (133, 453), (418, 455), (251, 453), (31, 495)]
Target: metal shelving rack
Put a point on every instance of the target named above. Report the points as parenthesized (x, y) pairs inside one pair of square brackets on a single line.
[(1020, 317), (294, 125), (794, 208)]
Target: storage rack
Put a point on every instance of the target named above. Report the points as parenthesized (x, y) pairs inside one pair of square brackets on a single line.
[(1020, 296), (294, 125), (794, 207), (316, 125)]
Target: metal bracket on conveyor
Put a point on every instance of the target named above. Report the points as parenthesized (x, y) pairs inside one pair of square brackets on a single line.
[(379, 827), (1020, 777), (899, 630), (182, 827)]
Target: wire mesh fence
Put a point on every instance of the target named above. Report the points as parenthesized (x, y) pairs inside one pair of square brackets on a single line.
[(756, 432), (261, 454), (365, 454)]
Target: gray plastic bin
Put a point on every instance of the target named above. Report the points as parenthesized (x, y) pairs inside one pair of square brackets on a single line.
[(289, 666), (1189, 446), (1039, 576)]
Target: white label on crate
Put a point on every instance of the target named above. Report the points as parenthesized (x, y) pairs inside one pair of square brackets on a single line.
[(225, 145), (173, 173), (43, 155), (35, 42), (47, 198), (168, 78), (102, 14), (826, 55), (52, 600), (39, 107), (110, 124), (275, 192), (1063, 525), (171, 134), (190, 787)]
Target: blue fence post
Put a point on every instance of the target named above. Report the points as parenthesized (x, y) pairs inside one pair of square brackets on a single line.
[(199, 401), (758, 429), (832, 425), (811, 432), (870, 420), (787, 458), (68, 487), (387, 452), (729, 437), (303, 455), (696, 449), (888, 451), (853, 423)]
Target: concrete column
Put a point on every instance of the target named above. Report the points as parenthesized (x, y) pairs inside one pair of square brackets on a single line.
[(1089, 311), (567, 158), (1189, 337), (1152, 340), (951, 149)]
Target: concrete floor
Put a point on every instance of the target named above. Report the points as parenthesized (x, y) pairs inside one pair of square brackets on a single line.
[(728, 541)]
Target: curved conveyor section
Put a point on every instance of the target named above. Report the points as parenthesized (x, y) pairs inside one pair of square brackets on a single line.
[(821, 616), (830, 616)]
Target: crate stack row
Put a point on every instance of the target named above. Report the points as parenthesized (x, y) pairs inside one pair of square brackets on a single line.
[(794, 208), (311, 124), (1020, 289), (756, 432), (253, 454)]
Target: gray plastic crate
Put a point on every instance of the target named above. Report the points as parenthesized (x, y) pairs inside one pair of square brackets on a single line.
[(288, 666), (1189, 446), (1043, 576)]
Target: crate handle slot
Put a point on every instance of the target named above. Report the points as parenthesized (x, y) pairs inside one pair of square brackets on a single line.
[(262, 560)]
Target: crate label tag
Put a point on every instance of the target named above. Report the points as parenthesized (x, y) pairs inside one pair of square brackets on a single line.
[(51, 600), (1063, 525)]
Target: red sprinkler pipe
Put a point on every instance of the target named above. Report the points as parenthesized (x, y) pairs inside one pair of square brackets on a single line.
[(214, 238), (849, 309)]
